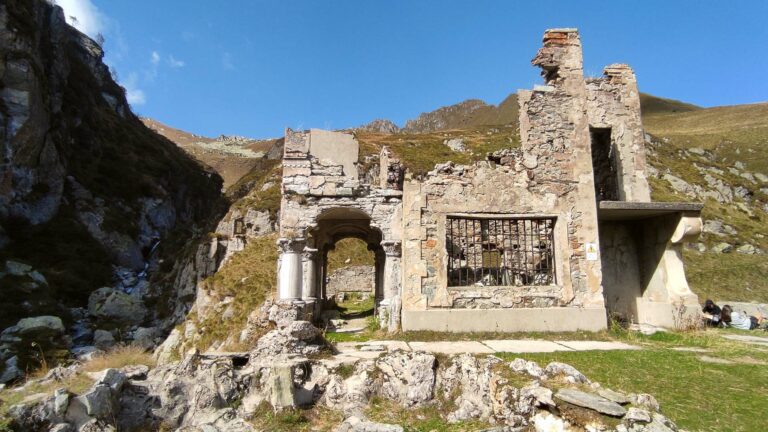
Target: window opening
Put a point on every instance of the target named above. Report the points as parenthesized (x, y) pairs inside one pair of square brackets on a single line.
[(500, 252)]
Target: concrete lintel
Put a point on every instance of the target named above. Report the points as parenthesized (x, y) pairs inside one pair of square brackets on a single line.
[(626, 210), (563, 319)]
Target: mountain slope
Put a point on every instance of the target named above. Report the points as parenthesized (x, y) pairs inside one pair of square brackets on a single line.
[(231, 157), (718, 156), (89, 196)]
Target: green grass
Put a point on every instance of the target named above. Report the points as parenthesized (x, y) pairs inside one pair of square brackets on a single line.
[(698, 396), (316, 419), (249, 277), (349, 252), (420, 419), (727, 277), (420, 152)]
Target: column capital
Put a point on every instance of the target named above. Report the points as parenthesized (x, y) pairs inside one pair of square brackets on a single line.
[(391, 248), (291, 245), (309, 253)]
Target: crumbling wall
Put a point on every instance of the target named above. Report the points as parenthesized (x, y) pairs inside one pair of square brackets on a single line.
[(355, 279), (613, 101), (313, 186), (551, 177)]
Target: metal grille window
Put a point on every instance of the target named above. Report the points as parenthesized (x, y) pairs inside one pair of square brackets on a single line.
[(500, 252)]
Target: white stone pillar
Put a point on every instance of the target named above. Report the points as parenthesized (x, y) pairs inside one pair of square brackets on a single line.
[(392, 250), (389, 308), (309, 288), (290, 274)]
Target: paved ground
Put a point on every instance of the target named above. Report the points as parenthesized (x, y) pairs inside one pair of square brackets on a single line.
[(754, 340), (352, 351)]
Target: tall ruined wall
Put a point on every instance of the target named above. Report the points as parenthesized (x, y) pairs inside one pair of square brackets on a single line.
[(613, 101), (551, 177)]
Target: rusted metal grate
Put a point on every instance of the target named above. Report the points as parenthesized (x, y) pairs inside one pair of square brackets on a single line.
[(500, 252)]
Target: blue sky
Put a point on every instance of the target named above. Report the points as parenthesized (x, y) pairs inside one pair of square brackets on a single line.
[(255, 67)]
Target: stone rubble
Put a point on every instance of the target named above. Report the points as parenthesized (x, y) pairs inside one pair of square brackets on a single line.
[(227, 391)]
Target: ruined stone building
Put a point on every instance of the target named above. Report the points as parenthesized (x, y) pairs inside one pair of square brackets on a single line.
[(554, 236)]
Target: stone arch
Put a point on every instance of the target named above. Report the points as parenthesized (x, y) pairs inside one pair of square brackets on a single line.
[(339, 223)]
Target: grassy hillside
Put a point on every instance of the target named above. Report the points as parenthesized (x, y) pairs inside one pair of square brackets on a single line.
[(650, 104), (230, 157), (728, 144), (421, 151)]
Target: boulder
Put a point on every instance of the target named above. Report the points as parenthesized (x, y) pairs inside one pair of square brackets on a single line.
[(351, 395), (747, 249), (647, 401), (471, 378), (146, 338), (97, 426), (41, 327), (456, 144), (16, 268), (283, 314), (722, 247), (613, 396), (11, 371), (103, 340), (303, 331), (28, 340), (408, 377), (99, 402), (529, 367), (568, 372), (591, 401), (116, 308), (637, 415)]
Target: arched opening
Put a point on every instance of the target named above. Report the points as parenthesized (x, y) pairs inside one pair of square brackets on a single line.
[(351, 281), (351, 263)]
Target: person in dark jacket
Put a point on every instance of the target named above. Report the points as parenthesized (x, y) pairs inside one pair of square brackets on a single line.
[(712, 314)]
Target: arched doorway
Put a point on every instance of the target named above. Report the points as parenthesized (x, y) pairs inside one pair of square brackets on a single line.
[(344, 226)]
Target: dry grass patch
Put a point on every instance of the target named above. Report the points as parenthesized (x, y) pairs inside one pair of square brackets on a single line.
[(119, 357), (249, 277)]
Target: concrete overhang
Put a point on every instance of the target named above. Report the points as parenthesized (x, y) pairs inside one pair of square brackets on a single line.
[(626, 210)]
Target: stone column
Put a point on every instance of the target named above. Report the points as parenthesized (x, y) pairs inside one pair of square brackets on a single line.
[(389, 308), (392, 250), (309, 288), (290, 269)]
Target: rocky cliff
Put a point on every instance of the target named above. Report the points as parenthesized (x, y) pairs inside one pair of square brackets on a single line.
[(90, 198)]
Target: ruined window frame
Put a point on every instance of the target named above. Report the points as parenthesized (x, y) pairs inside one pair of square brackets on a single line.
[(529, 266)]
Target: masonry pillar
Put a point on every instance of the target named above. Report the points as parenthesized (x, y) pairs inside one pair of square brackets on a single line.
[(309, 288), (290, 271), (389, 308), (391, 268)]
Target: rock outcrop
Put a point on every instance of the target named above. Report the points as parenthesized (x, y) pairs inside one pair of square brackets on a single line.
[(89, 196), (229, 392)]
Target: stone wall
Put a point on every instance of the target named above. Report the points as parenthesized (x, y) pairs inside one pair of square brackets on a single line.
[(613, 101), (354, 279), (551, 177)]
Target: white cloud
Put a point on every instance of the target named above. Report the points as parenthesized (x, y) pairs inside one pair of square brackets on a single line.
[(155, 58), (226, 61), (135, 97), (174, 62), (83, 15), (134, 94)]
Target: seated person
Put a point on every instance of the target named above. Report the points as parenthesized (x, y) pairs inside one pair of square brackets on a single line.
[(739, 320), (711, 313)]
